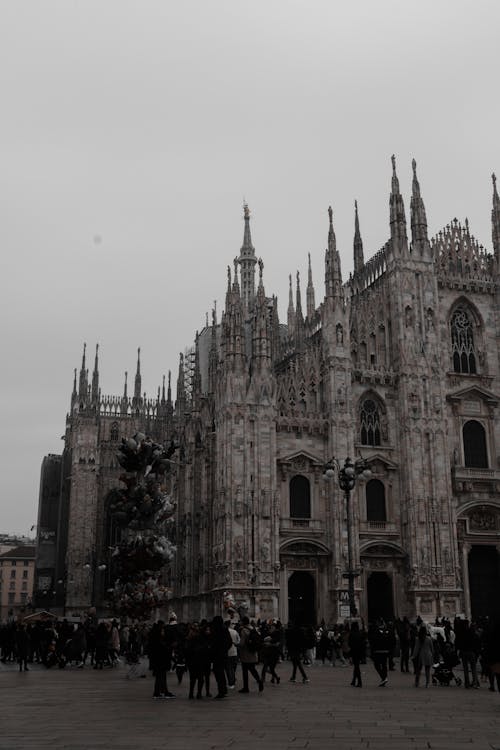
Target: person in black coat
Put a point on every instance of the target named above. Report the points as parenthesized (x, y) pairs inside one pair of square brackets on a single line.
[(295, 645), (195, 653), (22, 646), (357, 649), (160, 653), (379, 648), (221, 642)]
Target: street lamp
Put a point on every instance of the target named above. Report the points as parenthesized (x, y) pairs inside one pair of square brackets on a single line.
[(347, 476)]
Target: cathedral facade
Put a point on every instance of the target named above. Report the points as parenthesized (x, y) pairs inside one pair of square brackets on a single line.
[(396, 366)]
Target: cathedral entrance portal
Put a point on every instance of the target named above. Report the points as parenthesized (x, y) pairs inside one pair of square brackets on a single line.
[(301, 598), (484, 581), (380, 599)]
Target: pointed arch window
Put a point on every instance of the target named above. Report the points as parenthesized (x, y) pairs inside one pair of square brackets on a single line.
[(370, 422), (300, 497), (462, 342), (114, 433), (475, 450), (375, 502)]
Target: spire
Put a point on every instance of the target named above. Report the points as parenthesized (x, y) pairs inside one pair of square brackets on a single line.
[(125, 395), (247, 261), (212, 354), (247, 237), (417, 212), (169, 388), (228, 290), (310, 290), (332, 242), (197, 387), (298, 305), (261, 327), (397, 212), (137, 384), (236, 286), (495, 220), (261, 292), (395, 181), (163, 391), (82, 390), (74, 395), (180, 403), (358, 242), (291, 311), (95, 377), (333, 274)]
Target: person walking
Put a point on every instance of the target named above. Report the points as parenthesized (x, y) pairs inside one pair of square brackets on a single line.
[(468, 644), (270, 654), (404, 635), (249, 656), (195, 660), (357, 649), (423, 655), (231, 661), (379, 648), (160, 653), (22, 641), (295, 645), (221, 643)]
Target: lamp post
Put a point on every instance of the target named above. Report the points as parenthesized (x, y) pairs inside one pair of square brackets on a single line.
[(346, 477)]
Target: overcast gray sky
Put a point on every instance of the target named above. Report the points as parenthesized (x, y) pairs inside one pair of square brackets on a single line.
[(131, 131)]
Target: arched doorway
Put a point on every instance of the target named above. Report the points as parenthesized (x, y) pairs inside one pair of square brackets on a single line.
[(301, 598), (484, 581), (380, 599)]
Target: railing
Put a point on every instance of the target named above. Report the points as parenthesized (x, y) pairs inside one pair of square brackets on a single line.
[(300, 524), (379, 526)]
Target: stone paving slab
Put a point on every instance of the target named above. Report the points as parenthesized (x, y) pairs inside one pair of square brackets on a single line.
[(75, 709)]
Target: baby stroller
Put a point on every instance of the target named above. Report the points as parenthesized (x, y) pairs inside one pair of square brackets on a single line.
[(446, 659), (443, 675), (52, 658)]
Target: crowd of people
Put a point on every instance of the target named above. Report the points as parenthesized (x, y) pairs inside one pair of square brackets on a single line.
[(215, 655)]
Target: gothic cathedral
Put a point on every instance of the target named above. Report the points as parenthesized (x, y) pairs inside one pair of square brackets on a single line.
[(397, 366)]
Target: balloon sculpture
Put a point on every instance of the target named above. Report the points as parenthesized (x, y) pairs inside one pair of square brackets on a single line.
[(142, 507)]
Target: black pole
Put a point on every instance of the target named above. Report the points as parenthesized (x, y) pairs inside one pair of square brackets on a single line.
[(351, 574)]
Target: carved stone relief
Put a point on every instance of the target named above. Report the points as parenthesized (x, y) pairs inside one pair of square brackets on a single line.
[(483, 519)]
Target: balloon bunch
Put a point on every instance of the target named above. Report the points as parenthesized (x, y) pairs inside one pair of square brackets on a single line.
[(228, 600), (141, 506), (143, 555), (140, 453), (138, 599)]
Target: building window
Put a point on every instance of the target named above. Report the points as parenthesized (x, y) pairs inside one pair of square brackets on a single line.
[(24, 598), (375, 501), (462, 342), (115, 432), (12, 586), (12, 573), (25, 585), (475, 453), (25, 573), (26, 563), (11, 598), (300, 497), (370, 423), (14, 562)]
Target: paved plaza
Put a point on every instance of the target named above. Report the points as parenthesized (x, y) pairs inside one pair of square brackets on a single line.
[(86, 710)]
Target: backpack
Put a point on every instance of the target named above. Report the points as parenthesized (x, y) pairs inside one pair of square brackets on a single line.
[(254, 641)]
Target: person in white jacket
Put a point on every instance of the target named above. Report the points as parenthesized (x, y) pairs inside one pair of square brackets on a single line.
[(231, 661)]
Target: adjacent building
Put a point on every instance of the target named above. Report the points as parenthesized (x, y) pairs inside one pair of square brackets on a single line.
[(17, 574)]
